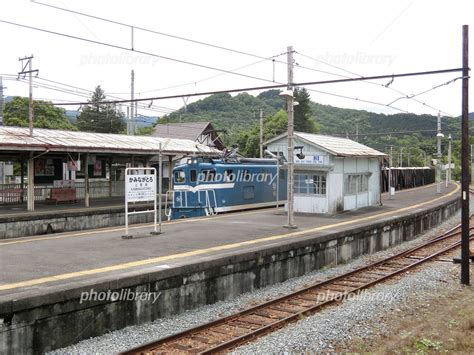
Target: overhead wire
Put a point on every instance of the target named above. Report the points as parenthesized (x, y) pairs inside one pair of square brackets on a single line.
[(170, 35), (85, 94), (131, 50), (276, 86), (372, 83)]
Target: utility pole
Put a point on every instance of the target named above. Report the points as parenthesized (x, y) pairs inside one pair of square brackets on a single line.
[(31, 162), (290, 99), (390, 174), (439, 135), (30, 71), (465, 158), (131, 126), (2, 164), (261, 133), (1, 101), (448, 171)]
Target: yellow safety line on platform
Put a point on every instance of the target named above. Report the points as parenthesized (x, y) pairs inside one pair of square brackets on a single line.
[(139, 226), (137, 263), (146, 225)]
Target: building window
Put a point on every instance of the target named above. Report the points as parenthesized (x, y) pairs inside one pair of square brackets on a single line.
[(310, 184), (356, 183)]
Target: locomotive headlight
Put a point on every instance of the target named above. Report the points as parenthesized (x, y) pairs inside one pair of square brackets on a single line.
[(195, 161), (189, 161)]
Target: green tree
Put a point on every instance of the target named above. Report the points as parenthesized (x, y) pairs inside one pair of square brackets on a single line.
[(248, 141), (45, 114), (304, 122), (100, 117)]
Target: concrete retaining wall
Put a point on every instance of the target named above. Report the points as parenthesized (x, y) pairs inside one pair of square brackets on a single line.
[(54, 222), (42, 323)]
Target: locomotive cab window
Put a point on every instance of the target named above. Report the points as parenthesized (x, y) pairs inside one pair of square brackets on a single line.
[(192, 175), (179, 176)]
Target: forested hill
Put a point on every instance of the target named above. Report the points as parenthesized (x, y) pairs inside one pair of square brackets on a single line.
[(241, 112), (227, 112)]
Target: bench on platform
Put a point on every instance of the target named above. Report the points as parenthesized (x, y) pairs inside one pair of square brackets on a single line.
[(62, 194)]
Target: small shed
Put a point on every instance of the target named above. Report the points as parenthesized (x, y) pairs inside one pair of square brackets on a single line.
[(200, 132), (332, 174)]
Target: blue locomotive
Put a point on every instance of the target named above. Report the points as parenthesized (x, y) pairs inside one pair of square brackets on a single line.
[(205, 186)]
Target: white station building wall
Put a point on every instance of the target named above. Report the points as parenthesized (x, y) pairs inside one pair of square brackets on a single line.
[(350, 182)]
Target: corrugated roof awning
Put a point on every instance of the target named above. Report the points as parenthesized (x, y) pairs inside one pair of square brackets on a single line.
[(340, 147), (18, 139)]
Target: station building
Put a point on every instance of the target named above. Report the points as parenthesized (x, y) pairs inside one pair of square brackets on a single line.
[(331, 174), (67, 166)]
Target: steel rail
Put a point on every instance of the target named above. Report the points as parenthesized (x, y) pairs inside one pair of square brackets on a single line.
[(147, 348)]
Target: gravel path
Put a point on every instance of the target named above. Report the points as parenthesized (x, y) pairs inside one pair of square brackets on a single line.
[(358, 318)]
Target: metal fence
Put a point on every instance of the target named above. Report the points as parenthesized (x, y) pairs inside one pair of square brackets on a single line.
[(14, 194)]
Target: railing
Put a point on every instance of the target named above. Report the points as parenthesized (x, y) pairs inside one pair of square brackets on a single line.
[(205, 199), (14, 194)]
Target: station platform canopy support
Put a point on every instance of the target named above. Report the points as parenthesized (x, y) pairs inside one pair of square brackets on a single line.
[(79, 149)]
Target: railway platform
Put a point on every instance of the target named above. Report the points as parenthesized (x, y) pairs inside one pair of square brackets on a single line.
[(194, 262)]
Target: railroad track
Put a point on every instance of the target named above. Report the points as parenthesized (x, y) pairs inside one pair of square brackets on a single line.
[(228, 332)]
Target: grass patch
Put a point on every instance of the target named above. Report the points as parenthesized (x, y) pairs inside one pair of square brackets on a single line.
[(445, 326)]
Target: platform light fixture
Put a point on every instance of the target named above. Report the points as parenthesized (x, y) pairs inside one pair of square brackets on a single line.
[(300, 155)]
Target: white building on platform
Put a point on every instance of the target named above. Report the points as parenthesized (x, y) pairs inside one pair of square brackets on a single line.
[(331, 174)]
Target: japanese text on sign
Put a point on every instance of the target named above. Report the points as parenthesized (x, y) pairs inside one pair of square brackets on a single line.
[(140, 188)]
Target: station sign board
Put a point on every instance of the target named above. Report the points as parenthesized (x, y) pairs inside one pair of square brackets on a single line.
[(139, 188), (310, 159)]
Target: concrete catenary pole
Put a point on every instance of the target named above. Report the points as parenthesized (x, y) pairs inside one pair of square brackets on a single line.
[(131, 130), (465, 159), (439, 136), (261, 133), (448, 171), (390, 173), (31, 165), (290, 192), (1, 101)]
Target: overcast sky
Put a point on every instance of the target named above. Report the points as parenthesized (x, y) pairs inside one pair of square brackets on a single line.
[(364, 37)]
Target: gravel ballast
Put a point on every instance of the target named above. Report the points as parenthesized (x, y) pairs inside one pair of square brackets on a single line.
[(360, 317)]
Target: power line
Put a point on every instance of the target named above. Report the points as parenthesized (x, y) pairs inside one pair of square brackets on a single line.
[(131, 50), (278, 86), (387, 86), (390, 133), (201, 80), (426, 91), (152, 31), (357, 99), (86, 94), (174, 36)]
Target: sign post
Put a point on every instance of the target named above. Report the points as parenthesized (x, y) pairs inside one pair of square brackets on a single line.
[(140, 187)]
